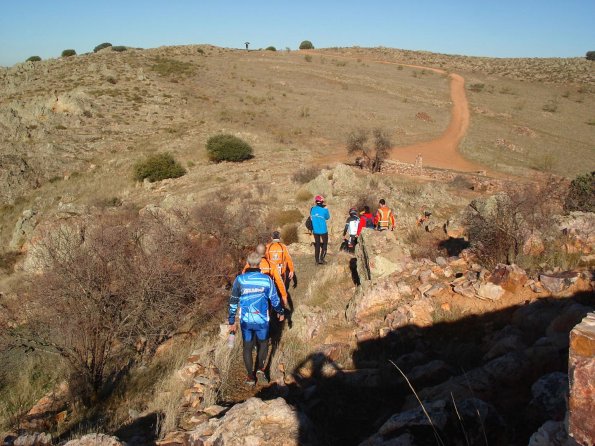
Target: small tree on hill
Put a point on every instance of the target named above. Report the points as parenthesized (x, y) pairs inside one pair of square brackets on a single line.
[(68, 53), (34, 59), (306, 45), (101, 46), (371, 157), (590, 55)]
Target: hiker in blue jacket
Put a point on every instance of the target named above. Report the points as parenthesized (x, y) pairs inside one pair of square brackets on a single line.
[(319, 215), (252, 292)]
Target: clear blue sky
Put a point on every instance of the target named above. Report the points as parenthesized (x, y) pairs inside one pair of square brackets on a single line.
[(500, 28)]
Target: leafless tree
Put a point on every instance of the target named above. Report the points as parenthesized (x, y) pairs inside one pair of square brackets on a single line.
[(117, 284), (371, 157), (499, 226)]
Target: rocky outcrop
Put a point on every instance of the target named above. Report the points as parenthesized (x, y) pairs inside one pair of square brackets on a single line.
[(96, 440), (581, 364), (23, 229), (440, 421), (17, 178), (32, 439), (253, 422), (379, 254)]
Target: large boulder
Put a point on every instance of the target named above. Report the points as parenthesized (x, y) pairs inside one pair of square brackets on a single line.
[(556, 283), (255, 423), (379, 254), (96, 440)]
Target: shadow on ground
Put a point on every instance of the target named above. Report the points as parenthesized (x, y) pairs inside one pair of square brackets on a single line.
[(474, 375)]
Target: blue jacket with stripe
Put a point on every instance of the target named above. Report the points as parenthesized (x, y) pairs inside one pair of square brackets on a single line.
[(252, 292)]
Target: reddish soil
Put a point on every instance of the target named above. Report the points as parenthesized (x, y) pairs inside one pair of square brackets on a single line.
[(440, 152)]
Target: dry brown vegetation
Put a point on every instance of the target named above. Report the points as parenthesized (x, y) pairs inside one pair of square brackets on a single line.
[(114, 289)]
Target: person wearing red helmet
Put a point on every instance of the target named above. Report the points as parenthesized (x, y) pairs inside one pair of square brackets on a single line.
[(319, 215)]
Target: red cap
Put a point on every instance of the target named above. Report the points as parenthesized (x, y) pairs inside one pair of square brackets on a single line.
[(319, 199)]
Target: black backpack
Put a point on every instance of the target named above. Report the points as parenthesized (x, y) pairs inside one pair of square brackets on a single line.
[(309, 226)]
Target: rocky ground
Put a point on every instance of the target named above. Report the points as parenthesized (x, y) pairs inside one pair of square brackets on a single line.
[(412, 316)]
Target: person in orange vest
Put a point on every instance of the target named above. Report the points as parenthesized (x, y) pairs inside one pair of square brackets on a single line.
[(385, 218), (278, 254), (271, 270)]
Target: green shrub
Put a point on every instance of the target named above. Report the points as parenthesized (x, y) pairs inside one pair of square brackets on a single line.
[(119, 48), (306, 45), (68, 53), (227, 147), (158, 167), (34, 59), (590, 55), (101, 46), (581, 194), (308, 58), (271, 48)]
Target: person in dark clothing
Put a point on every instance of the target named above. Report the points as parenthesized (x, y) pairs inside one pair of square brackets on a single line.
[(350, 231), (319, 215)]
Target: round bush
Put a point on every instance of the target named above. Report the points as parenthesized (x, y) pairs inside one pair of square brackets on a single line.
[(228, 148), (101, 46), (158, 167), (590, 55), (581, 194), (306, 45), (34, 59), (119, 48), (68, 53), (271, 48)]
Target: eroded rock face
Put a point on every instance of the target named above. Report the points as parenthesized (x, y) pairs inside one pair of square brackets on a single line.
[(581, 373), (17, 178)]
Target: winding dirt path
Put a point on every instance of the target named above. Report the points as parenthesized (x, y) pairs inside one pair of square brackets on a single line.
[(439, 152)]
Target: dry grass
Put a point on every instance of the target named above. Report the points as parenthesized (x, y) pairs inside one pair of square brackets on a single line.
[(24, 379)]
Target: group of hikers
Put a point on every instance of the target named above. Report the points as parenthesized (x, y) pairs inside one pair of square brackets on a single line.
[(269, 270)]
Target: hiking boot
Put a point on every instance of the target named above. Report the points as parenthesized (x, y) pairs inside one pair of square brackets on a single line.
[(250, 380), (261, 376)]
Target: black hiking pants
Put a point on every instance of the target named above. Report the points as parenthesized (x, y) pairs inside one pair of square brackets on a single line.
[(262, 348), (320, 244)]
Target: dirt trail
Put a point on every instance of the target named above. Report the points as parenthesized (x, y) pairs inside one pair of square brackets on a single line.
[(439, 152)]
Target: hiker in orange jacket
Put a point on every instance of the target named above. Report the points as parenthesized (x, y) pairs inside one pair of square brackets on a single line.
[(385, 218), (278, 254), (270, 269)]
